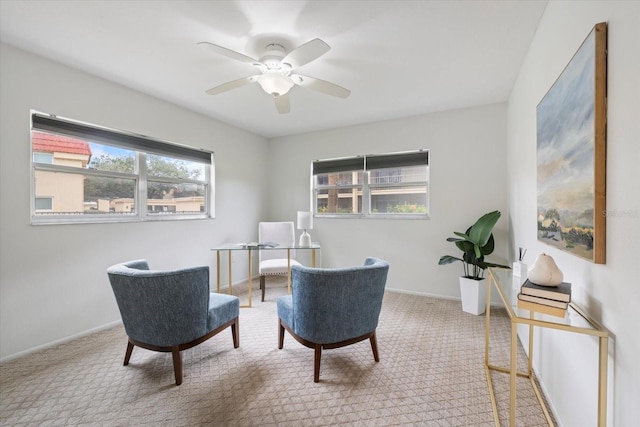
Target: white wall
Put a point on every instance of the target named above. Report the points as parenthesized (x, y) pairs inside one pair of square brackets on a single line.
[(610, 293), (52, 279), (53, 283), (468, 179)]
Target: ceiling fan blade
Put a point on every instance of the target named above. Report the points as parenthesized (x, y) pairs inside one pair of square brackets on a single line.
[(227, 52), (282, 103), (321, 86), (306, 53), (230, 85)]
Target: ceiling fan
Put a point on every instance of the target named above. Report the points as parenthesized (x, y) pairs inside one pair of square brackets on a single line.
[(276, 68)]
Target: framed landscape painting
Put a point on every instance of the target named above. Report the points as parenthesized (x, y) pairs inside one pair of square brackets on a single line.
[(571, 153)]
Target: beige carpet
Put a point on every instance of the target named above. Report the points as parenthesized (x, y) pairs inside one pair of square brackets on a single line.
[(430, 374)]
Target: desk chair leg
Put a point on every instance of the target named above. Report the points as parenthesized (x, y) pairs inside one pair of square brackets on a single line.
[(262, 286)]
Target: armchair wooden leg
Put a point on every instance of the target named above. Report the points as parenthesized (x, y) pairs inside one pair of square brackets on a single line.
[(262, 286), (235, 332), (316, 362), (177, 364), (280, 334), (127, 355), (374, 347)]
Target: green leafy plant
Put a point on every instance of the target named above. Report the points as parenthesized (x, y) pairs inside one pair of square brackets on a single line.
[(476, 243), (407, 208)]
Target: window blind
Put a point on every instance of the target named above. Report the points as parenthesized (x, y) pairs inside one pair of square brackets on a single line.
[(93, 133), (397, 160), (338, 165)]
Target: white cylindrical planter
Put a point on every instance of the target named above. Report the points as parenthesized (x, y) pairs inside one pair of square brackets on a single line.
[(473, 294)]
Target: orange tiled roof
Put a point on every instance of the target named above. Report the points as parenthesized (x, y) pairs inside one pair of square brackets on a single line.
[(48, 143)]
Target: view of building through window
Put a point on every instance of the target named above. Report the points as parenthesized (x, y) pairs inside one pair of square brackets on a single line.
[(79, 178), (339, 192), (393, 185), (401, 190)]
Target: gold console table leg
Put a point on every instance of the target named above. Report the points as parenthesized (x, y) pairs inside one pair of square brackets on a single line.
[(512, 374), (602, 381), (487, 368), (230, 281), (218, 271), (249, 279), (289, 271)]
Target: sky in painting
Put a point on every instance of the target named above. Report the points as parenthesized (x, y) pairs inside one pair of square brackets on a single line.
[(565, 135)]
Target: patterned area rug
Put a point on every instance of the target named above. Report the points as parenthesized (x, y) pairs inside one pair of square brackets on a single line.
[(430, 374)]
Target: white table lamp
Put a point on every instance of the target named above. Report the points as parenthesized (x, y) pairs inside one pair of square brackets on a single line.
[(305, 222)]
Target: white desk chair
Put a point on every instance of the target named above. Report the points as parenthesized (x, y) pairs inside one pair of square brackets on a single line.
[(273, 261)]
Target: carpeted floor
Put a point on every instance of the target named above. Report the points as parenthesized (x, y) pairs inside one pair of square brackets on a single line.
[(430, 374)]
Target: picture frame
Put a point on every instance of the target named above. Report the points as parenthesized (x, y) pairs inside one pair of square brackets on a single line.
[(571, 121)]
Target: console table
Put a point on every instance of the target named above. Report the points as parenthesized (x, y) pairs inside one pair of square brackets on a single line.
[(575, 321), (249, 248)]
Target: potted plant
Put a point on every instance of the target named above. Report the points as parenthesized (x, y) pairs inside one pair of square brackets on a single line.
[(476, 243)]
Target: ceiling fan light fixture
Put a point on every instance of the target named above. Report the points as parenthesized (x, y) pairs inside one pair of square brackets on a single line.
[(276, 67), (275, 84)]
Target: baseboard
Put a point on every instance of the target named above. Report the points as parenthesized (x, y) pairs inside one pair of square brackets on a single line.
[(60, 341), (547, 397), (421, 294), (434, 296)]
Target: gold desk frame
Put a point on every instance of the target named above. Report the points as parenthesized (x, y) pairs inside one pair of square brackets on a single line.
[(229, 248), (502, 280)]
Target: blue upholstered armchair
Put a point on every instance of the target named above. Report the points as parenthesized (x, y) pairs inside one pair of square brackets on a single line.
[(170, 311), (331, 308)]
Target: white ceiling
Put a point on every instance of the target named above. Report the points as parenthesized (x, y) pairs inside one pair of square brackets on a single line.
[(398, 58)]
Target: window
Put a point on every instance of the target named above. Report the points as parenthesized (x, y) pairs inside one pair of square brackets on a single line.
[(101, 175), (44, 203), (43, 157), (391, 185)]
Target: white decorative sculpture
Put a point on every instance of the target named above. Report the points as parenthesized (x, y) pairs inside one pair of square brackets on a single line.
[(545, 272)]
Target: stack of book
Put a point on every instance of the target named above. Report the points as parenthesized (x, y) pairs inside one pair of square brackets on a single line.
[(551, 300)]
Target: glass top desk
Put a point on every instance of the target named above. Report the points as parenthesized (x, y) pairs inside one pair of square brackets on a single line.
[(250, 248), (575, 321)]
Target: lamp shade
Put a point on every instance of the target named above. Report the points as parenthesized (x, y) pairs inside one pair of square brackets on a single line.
[(305, 220)]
